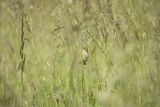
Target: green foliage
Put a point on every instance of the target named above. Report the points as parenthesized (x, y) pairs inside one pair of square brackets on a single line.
[(123, 39)]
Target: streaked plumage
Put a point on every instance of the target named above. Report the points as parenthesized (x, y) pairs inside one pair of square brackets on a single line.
[(85, 55)]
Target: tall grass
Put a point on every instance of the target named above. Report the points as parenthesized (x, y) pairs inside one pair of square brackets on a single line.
[(122, 38)]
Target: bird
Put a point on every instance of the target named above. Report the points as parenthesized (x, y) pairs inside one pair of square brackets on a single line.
[(85, 55)]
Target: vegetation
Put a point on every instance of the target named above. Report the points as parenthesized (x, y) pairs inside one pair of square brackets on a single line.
[(41, 43)]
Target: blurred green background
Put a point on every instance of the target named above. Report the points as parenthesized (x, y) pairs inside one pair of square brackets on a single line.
[(123, 39)]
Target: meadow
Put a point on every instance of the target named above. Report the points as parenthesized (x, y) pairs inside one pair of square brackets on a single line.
[(41, 45)]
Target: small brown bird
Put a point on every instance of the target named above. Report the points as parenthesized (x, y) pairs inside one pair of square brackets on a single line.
[(85, 55)]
